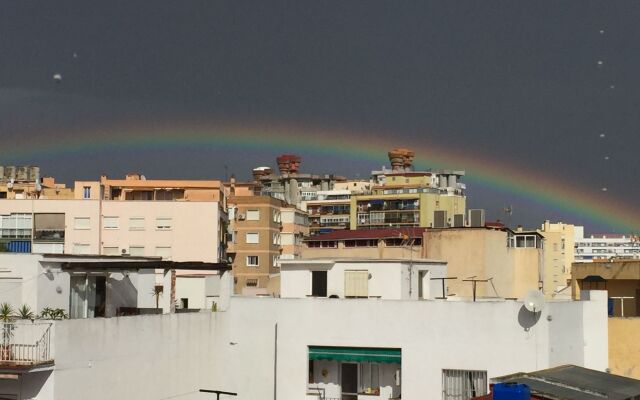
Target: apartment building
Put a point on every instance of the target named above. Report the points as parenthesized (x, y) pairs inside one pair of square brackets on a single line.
[(128, 217), (290, 185), (331, 209), (24, 182), (403, 197), (177, 220), (558, 256), (504, 263), (383, 243), (263, 230), (604, 246)]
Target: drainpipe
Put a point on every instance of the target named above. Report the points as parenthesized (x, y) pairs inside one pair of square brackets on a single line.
[(172, 299)]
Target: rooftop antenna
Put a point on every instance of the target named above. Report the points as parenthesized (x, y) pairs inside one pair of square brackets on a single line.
[(474, 283), (534, 301), (508, 211)]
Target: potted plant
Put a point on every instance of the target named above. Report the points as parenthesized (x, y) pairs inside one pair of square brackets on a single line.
[(6, 313), (53, 313), (24, 312)]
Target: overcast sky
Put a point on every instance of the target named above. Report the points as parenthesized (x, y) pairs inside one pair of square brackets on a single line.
[(515, 80)]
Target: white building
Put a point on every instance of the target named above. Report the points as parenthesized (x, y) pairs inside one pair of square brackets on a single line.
[(314, 348), (101, 286), (604, 246), (362, 278)]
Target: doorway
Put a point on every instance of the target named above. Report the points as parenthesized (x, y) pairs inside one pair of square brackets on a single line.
[(88, 296), (349, 381)]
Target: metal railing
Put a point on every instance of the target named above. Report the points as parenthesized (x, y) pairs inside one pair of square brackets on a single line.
[(25, 343)]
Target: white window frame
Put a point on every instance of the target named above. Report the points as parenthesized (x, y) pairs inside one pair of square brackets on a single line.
[(251, 234), (133, 227), (248, 264), (111, 225), (253, 215), (160, 226), (77, 226)]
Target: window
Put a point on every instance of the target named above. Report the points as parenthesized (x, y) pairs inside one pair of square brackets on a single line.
[(252, 283), (252, 261), (81, 223), (136, 251), (110, 251), (458, 384), (277, 238), (16, 225), (253, 215), (276, 216), (86, 192), (164, 223), (136, 223), (252, 238), (356, 283), (164, 252), (319, 283), (81, 248), (111, 222)]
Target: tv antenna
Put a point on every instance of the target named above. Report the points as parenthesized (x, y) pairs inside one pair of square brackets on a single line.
[(474, 284)]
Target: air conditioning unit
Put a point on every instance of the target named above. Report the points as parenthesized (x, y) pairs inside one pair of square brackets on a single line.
[(476, 218), (241, 217)]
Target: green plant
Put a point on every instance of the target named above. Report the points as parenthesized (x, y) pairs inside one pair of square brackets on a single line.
[(157, 293), (6, 312), (53, 313), (214, 307), (24, 312)]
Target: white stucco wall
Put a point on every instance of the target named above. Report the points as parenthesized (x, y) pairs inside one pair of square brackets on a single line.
[(40, 283), (389, 279), (172, 356)]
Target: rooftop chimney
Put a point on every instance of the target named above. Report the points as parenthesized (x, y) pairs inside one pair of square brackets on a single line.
[(401, 159), (260, 172), (288, 164)]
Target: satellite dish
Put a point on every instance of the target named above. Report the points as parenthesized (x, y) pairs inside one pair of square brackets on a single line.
[(534, 301)]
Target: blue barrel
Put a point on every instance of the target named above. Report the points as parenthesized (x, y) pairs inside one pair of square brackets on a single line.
[(610, 306), (19, 246), (511, 391)]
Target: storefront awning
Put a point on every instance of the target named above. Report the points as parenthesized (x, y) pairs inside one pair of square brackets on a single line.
[(393, 356)]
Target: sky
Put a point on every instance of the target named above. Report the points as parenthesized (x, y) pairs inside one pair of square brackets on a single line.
[(515, 81)]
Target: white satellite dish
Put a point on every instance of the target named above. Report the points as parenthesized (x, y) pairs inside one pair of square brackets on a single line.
[(534, 301)]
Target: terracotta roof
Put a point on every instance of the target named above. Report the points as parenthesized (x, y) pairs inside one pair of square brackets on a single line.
[(368, 234)]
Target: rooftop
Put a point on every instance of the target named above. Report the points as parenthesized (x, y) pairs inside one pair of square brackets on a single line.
[(382, 233), (570, 382)]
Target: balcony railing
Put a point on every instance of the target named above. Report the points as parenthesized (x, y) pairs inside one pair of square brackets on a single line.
[(25, 343)]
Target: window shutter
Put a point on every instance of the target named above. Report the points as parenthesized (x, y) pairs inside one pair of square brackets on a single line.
[(356, 283)]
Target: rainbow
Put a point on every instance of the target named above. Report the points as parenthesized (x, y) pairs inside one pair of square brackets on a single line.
[(590, 204)]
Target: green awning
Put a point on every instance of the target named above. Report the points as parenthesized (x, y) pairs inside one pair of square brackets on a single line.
[(392, 356)]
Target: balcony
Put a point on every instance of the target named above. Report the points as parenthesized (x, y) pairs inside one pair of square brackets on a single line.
[(25, 344), (49, 235)]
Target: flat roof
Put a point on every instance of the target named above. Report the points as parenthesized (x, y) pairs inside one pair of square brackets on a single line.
[(323, 260), (106, 263)]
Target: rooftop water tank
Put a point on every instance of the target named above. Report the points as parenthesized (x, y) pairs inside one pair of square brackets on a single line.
[(511, 391)]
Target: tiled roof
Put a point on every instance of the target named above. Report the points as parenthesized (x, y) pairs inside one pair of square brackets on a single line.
[(382, 233)]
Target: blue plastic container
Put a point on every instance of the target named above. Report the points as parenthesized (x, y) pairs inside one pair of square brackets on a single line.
[(511, 391)]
